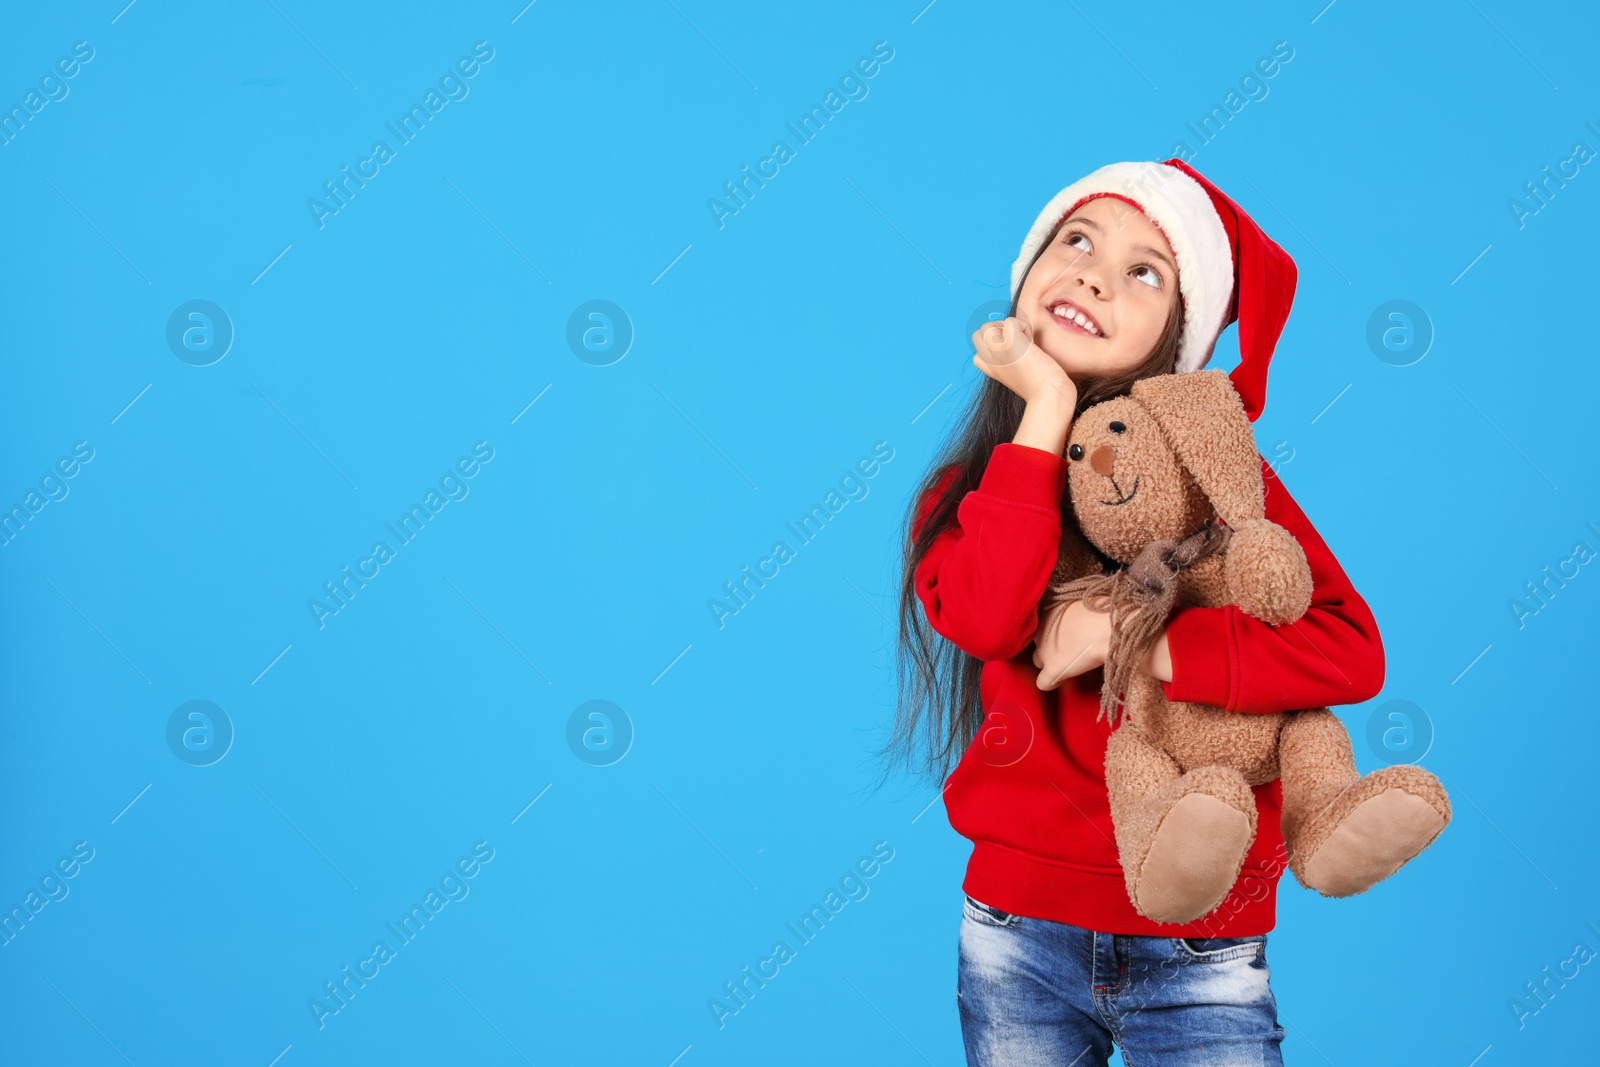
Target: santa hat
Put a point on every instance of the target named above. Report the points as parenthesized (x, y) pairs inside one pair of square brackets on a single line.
[(1227, 268)]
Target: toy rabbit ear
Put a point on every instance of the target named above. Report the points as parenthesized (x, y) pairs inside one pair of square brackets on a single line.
[(1204, 421)]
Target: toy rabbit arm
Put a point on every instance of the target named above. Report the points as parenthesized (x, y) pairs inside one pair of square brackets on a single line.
[(1332, 655), (981, 580)]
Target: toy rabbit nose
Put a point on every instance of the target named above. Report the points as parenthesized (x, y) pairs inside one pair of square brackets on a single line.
[(1103, 460)]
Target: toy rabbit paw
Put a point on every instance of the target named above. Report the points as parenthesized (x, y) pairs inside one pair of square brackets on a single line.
[(1267, 573)]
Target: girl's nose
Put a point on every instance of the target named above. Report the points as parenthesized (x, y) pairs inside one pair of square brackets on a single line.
[(1103, 460)]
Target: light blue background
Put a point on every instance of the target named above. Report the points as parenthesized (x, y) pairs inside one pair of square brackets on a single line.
[(774, 352)]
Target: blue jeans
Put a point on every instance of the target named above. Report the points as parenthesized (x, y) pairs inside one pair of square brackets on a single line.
[(1035, 992)]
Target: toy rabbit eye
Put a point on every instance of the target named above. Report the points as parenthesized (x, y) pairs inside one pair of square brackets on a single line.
[(1117, 427), (1075, 452)]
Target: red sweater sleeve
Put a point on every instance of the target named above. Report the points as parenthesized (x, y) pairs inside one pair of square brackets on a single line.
[(981, 580), (1331, 655)]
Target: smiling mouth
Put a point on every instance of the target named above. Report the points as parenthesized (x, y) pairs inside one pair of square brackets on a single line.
[(1073, 319), (1125, 499)]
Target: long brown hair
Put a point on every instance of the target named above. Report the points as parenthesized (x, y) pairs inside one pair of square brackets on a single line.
[(939, 708)]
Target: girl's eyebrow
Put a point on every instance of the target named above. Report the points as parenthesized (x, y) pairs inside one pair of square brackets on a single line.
[(1137, 248), (1159, 255)]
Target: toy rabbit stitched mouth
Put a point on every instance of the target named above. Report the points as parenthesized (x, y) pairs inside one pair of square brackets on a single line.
[(1191, 530)]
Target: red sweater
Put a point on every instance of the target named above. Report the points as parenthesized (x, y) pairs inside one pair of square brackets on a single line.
[(1035, 805)]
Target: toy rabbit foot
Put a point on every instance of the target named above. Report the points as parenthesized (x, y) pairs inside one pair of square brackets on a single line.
[(1370, 830), (1182, 837)]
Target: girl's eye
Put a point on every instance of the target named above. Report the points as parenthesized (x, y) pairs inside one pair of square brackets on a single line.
[(1071, 234), (1151, 276)]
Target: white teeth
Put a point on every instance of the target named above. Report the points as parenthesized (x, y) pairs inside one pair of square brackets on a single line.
[(1061, 311)]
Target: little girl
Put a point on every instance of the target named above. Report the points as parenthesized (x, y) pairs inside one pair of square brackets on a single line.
[(1130, 272)]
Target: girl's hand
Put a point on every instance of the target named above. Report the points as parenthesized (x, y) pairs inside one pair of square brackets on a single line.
[(1006, 353), (1072, 639)]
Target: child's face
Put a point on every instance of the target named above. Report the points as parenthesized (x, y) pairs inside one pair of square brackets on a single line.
[(1109, 262)]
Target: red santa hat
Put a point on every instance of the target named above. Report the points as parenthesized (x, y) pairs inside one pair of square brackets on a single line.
[(1227, 268)]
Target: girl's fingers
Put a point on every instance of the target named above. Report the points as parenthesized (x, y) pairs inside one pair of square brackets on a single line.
[(1002, 342), (981, 342), (1006, 353)]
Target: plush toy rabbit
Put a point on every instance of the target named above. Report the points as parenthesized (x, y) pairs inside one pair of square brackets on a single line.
[(1167, 481)]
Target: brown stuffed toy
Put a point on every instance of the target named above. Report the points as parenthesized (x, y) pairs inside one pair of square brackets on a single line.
[(1186, 519)]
